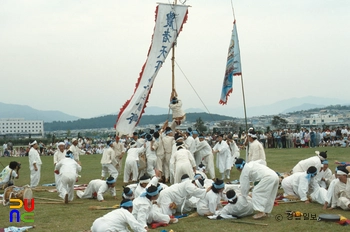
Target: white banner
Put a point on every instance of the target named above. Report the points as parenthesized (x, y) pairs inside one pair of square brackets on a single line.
[(169, 21)]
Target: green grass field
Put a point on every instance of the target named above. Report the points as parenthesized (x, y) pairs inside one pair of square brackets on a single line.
[(78, 217)]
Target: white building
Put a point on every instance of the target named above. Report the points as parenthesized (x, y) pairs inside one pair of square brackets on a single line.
[(21, 127), (316, 119)]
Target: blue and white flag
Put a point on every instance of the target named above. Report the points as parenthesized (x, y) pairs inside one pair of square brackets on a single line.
[(233, 66), (169, 21)]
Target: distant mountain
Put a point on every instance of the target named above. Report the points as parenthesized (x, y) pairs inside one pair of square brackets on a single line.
[(108, 121), (194, 110), (155, 110), (29, 113), (283, 106), (305, 106)]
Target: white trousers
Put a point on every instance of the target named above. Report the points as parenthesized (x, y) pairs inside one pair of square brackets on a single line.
[(67, 185), (130, 168), (209, 165), (35, 176), (151, 165), (109, 169)]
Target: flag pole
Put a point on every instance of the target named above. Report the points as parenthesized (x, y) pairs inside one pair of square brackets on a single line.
[(243, 95), (173, 63)]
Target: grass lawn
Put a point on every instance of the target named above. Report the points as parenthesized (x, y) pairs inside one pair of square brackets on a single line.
[(78, 217)]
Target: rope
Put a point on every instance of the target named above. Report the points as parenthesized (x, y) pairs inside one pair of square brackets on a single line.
[(194, 90)]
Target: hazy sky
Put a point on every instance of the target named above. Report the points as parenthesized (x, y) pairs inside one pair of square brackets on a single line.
[(84, 57)]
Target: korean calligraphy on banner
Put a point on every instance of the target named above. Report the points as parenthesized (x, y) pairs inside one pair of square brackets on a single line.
[(169, 21)]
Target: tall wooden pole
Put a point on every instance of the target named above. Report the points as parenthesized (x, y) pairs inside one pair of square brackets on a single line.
[(173, 63)]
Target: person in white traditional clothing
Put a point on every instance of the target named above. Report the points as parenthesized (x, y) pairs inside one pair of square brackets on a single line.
[(59, 155), (341, 194), (109, 161), (8, 174), (168, 141), (175, 105), (208, 205), (264, 193), (181, 163), (330, 190), (299, 184), (159, 149), (238, 206), (67, 169), (151, 156), (204, 150), (131, 170), (143, 207), (223, 157), (76, 150), (143, 182), (303, 165), (190, 142), (34, 164), (128, 193), (119, 151), (118, 220), (96, 189), (173, 199), (325, 176), (256, 149)]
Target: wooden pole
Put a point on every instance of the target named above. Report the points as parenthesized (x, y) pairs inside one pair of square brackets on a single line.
[(173, 63)]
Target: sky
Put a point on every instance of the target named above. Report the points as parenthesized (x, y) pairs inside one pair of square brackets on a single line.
[(83, 57)]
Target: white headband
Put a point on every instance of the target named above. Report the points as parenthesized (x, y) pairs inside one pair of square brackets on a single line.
[(144, 181), (231, 199), (61, 143), (252, 135), (339, 172), (31, 144), (198, 184)]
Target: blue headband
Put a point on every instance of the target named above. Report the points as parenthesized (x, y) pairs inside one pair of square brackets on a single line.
[(220, 186), (159, 188), (309, 175), (110, 181), (201, 137), (174, 101), (143, 134), (167, 132), (325, 162), (70, 155), (195, 132), (240, 166), (155, 193), (110, 143), (129, 193), (198, 176), (126, 204)]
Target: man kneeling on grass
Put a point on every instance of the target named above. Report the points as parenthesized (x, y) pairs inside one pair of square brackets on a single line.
[(118, 220), (96, 189)]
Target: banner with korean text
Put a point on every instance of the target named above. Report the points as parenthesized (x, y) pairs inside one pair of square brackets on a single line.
[(169, 21)]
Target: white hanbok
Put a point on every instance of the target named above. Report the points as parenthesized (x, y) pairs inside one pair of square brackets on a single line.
[(341, 195), (242, 208), (177, 109), (108, 162), (57, 157), (181, 163), (234, 152), (264, 193), (223, 157), (34, 158), (256, 152), (96, 188), (168, 142), (303, 165), (204, 150), (209, 204), (117, 221), (119, 149), (298, 185), (178, 194), (327, 175), (151, 159), (68, 169), (76, 152), (131, 161), (330, 191)]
